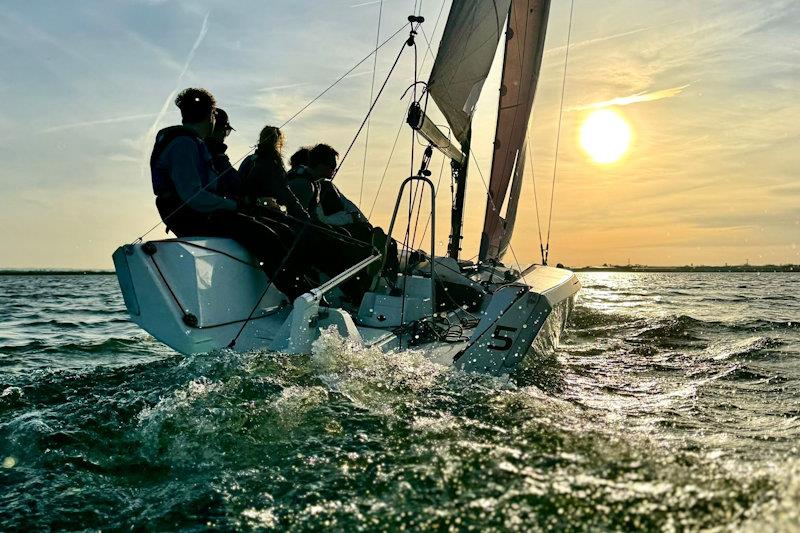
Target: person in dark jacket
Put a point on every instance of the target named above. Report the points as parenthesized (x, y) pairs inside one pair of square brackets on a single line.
[(264, 176), (190, 202), (264, 185), (313, 185), (229, 180)]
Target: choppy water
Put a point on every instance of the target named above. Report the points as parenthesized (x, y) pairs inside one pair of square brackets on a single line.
[(673, 404)]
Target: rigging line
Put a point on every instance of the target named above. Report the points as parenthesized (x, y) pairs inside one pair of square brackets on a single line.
[(433, 33), (535, 199), (491, 200), (269, 284), (558, 132), (252, 148), (371, 94), (369, 112), (388, 162), (405, 112), (405, 246), (343, 76), (416, 222), (428, 222), (201, 189), (413, 138)]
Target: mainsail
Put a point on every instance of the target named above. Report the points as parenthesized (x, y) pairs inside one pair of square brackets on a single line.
[(527, 24), (464, 58)]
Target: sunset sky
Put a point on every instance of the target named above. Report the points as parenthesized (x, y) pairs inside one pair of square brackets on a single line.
[(710, 90)]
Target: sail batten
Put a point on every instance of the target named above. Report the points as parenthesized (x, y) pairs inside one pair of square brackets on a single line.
[(525, 36)]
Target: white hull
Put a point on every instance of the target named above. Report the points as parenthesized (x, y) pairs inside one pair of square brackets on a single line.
[(196, 294)]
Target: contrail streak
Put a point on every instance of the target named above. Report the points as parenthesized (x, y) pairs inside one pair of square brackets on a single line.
[(99, 122), (152, 131), (633, 99)]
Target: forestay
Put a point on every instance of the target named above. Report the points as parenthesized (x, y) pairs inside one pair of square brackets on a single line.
[(527, 24)]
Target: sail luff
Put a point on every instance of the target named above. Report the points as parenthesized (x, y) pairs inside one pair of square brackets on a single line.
[(525, 36)]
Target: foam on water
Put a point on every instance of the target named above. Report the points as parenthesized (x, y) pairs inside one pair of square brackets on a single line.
[(668, 415)]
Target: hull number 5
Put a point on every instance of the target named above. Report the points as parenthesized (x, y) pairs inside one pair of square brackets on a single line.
[(505, 341)]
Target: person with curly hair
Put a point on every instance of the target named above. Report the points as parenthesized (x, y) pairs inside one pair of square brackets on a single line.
[(191, 203)]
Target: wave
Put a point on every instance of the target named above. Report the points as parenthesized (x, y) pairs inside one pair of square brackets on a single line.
[(111, 346), (742, 349), (586, 318), (771, 325), (681, 328)]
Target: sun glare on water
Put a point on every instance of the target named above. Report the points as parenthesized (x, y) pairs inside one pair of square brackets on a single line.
[(605, 136)]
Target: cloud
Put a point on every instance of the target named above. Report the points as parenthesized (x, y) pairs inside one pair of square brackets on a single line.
[(99, 122), (633, 99), (589, 42), (369, 3), (152, 131)]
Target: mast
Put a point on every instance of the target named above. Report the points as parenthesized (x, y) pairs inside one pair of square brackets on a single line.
[(459, 170)]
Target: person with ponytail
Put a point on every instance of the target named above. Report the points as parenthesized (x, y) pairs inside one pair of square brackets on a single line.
[(263, 176)]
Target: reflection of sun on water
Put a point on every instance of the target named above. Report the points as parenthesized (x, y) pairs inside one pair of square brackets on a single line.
[(605, 136)]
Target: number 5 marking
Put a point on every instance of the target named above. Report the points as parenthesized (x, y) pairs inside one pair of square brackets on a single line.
[(506, 341)]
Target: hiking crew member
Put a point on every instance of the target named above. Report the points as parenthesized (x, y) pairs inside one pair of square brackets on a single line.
[(264, 185), (229, 184), (313, 186), (264, 176), (190, 203)]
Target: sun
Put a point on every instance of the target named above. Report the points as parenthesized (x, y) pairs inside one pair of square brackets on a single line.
[(605, 136)]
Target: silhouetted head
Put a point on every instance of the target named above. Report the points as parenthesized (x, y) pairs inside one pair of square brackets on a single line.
[(270, 142), (222, 125), (322, 161), (197, 109), (300, 158)]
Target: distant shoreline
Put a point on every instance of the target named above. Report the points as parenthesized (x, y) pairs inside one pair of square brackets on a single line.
[(699, 268), (11, 272), (604, 268)]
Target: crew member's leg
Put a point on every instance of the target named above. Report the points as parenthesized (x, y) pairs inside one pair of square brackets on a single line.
[(269, 248)]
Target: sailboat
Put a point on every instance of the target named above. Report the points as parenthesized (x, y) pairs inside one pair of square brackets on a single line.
[(202, 294)]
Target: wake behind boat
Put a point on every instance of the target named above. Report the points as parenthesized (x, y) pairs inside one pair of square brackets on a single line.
[(199, 293)]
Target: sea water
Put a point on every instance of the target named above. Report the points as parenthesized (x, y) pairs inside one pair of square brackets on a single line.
[(673, 403)]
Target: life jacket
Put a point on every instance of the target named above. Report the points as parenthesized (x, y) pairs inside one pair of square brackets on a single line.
[(162, 182)]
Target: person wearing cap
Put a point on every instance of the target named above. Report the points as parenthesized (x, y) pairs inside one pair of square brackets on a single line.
[(229, 184), (190, 202)]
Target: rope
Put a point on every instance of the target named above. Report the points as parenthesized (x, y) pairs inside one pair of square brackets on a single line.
[(491, 200), (388, 162), (269, 284), (405, 112), (428, 222), (343, 76), (371, 94), (369, 112), (536, 206), (558, 134)]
